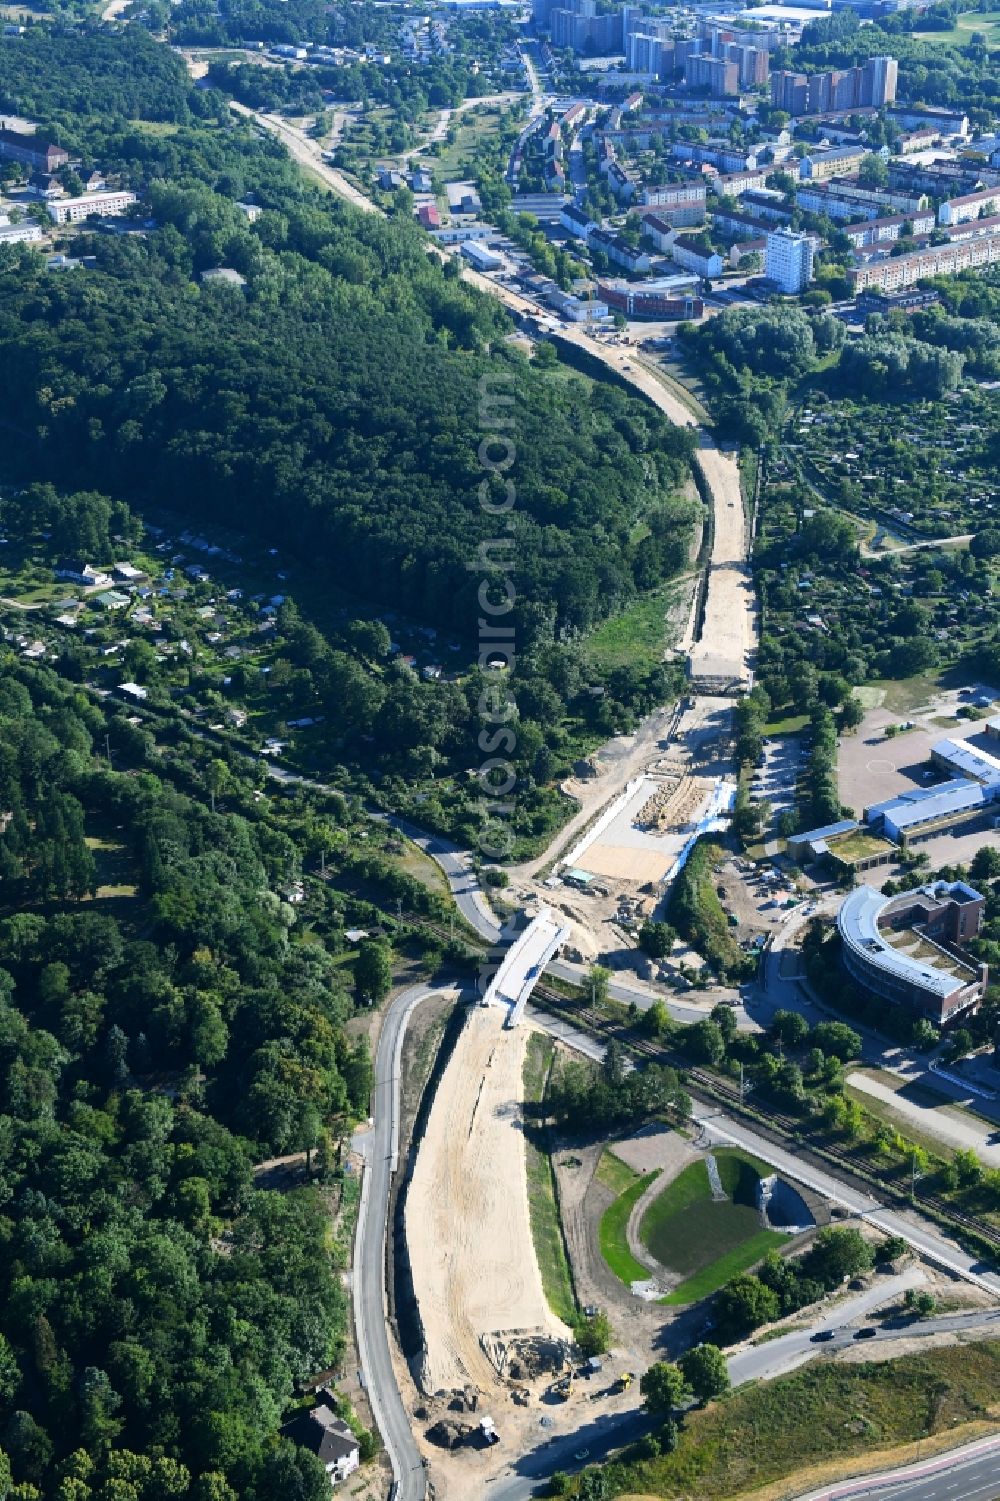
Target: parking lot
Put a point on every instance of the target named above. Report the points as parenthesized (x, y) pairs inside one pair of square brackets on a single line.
[(776, 781), (872, 768)]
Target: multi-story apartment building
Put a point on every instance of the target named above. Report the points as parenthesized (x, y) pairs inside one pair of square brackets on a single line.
[(754, 64), (790, 92), (732, 184), (884, 231), (577, 25), (740, 226), (722, 78), (714, 154), (619, 251), (818, 166), (970, 206), (649, 54), (687, 252), (933, 260), (871, 86), (790, 257), (946, 122), (75, 210), (841, 200), (681, 203)]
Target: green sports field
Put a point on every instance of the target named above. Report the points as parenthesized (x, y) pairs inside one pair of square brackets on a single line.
[(705, 1241)]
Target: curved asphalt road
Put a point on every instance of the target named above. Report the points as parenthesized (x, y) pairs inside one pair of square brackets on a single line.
[(971, 1473), (599, 1439), (370, 1315)]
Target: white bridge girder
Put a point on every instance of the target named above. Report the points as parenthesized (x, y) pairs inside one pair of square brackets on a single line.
[(524, 964)]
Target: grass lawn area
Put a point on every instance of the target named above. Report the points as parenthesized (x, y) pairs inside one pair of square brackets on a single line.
[(115, 874), (546, 1228), (740, 1259), (869, 696), (904, 694), (824, 1412), (988, 22), (614, 1173), (470, 128), (637, 637), (422, 868), (614, 1240), (158, 127), (788, 726), (707, 1241)]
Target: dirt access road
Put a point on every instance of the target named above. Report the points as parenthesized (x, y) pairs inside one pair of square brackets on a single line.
[(468, 1230), (308, 153)]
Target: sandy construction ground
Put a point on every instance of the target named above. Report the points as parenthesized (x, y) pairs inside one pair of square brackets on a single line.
[(468, 1231), (728, 635), (628, 852)]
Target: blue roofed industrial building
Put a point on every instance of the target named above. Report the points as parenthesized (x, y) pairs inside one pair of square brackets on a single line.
[(962, 759), (926, 809)]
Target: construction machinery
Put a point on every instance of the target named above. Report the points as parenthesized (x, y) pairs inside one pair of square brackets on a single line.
[(624, 1381), (563, 1388)]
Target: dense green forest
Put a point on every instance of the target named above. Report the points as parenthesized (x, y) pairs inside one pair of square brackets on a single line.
[(65, 77), (340, 394), (340, 391), (332, 407), (155, 1043)]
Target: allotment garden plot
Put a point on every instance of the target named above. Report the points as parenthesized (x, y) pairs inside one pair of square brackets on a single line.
[(924, 469)]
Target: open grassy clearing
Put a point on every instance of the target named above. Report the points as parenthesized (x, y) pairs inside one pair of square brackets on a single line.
[(637, 637), (822, 1413), (901, 696), (415, 863), (740, 1259), (614, 1233), (546, 1229), (987, 22), (154, 127), (116, 873), (470, 127), (791, 725)]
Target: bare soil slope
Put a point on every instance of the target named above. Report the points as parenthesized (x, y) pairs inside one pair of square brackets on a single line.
[(468, 1231)]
